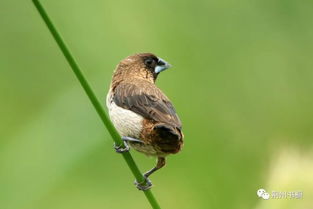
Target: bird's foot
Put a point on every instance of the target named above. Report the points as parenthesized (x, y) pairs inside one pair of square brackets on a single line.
[(120, 148), (130, 139), (145, 185)]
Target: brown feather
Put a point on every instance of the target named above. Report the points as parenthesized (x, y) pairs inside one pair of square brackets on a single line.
[(145, 99), (133, 88)]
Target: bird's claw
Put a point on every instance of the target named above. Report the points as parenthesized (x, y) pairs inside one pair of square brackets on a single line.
[(145, 185), (130, 139), (120, 149), (126, 148)]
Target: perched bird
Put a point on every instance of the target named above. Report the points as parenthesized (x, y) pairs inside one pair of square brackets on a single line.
[(140, 111)]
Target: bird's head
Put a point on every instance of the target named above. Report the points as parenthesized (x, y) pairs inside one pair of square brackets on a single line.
[(144, 66)]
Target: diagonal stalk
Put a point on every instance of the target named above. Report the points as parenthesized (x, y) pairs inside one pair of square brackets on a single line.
[(76, 69)]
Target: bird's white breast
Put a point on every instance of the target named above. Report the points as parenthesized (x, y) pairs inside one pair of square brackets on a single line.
[(125, 121)]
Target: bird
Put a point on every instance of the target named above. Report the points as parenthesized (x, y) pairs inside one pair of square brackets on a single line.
[(141, 113)]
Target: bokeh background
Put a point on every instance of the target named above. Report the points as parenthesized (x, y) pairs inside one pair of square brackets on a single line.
[(242, 83)]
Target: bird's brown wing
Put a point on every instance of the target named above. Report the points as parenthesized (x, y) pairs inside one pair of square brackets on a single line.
[(147, 100)]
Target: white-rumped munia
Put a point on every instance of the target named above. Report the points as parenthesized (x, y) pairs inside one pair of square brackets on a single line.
[(140, 111)]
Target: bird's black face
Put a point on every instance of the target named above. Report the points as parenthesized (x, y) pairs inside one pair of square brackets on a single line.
[(143, 65), (154, 64)]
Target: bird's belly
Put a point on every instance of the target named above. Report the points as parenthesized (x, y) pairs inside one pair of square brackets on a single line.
[(147, 149), (126, 122)]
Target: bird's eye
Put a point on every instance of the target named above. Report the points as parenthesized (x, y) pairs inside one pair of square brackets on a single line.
[(149, 62)]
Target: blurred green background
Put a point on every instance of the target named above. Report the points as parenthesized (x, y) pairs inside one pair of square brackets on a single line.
[(242, 83)]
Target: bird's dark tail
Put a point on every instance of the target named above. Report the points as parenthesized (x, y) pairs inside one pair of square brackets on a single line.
[(170, 139)]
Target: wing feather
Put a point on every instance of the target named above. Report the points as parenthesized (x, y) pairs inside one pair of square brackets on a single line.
[(147, 100)]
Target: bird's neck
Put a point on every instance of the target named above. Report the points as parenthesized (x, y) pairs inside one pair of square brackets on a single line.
[(132, 77)]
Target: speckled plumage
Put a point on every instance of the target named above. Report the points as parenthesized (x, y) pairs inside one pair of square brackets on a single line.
[(141, 111), (137, 107)]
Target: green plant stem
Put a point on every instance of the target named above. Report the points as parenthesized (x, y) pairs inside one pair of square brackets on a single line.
[(117, 139)]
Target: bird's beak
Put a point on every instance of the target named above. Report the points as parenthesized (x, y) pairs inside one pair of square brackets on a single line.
[(162, 65)]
